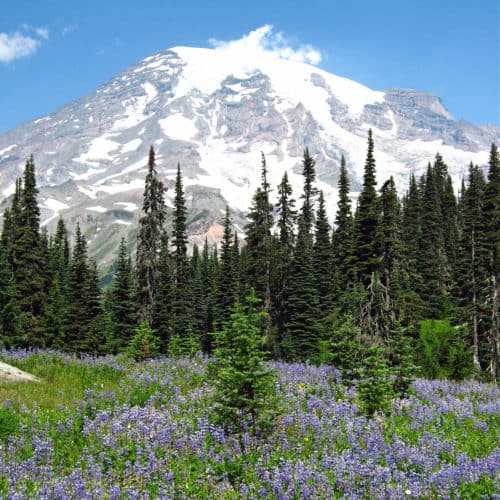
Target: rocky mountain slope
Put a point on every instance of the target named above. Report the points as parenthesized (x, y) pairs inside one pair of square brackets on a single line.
[(214, 113)]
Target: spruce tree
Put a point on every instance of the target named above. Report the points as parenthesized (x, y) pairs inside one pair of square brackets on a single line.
[(9, 311), (81, 328), (227, 289), (182, 297), (473, 270), (30, 265), (342, 238), (391, 263), (258, 240), (310, 191), (148, 243), (162, 313), (302, 313), (432, 264), (367, 221), (492, 220), (322, 259), (122, 302)]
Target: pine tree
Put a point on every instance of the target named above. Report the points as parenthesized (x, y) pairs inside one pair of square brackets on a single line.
[(322, 258), (287, 215), (245, 394), (122, 302), (258, 239), (391, 264), (30, 266), (281, 254), (342, 238), (148, 244), (9, 311), (432, 264), (162, 313), (302, 328), (83, 321), (182, 298), (473, 270), (209, 284), (310, 191), (199, 298), (367, 221), (492, 217), (227, 289)]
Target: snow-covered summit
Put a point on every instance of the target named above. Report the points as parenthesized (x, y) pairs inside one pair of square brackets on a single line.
[(214, 111)]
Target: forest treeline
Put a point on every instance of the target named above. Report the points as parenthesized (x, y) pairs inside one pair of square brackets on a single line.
[(424, 267)]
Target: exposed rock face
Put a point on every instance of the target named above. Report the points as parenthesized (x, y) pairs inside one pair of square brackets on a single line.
[(10, 373), (214, 116)]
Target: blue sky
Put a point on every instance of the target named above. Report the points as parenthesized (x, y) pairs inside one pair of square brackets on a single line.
[(53, 51)]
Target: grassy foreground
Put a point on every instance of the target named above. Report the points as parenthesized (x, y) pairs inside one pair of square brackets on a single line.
[(112, 428)]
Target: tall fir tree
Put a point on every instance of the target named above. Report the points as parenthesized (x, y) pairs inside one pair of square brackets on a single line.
[(182, 302), (30, 265), (227, 289), (122, 302), (258, 240), (310, 192), (83, 301), (162, 313), (492, 217), (302, 312), (432, 265), (391, 264), (322, 259), (367, 221), (472, 273), (148, 243), (342, 237)]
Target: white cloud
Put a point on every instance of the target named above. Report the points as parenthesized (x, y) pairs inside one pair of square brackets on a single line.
[(263, 41), (19, 44), (42, 32)]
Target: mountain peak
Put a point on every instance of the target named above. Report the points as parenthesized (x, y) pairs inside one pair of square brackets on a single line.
[(214, 111)]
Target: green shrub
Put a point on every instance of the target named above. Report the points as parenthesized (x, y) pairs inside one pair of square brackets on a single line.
[(441, 351), (144, 344)]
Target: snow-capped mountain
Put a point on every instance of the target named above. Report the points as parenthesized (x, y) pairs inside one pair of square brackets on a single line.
[(214, 113)]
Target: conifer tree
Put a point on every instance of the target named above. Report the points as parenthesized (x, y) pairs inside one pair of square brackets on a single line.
[(302, 328), (309, 193), (182, 298), (209, 284), (81, 328), (367, 221), (282, 253), (322, 259), (492, 217), (432, 263), (122, 302), (199, 297), (148, 243), (9, 311), (30, 265), (162, 313), (227, 289), (258, 239), (287, 215), (391, 264), (473, 271), (343, 234)]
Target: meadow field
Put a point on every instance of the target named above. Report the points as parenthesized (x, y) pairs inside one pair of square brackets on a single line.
[(109, 427)]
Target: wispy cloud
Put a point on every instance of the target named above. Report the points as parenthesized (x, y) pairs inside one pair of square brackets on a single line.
[(68, 29), (263, 41), (23, 42)]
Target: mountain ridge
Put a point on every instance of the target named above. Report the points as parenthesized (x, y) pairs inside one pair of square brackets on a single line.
[(214, 114)]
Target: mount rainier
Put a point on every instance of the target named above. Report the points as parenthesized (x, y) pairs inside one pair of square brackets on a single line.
[(214, 113)]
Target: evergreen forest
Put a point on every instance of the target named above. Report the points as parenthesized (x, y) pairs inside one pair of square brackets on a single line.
[(390, 278)]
